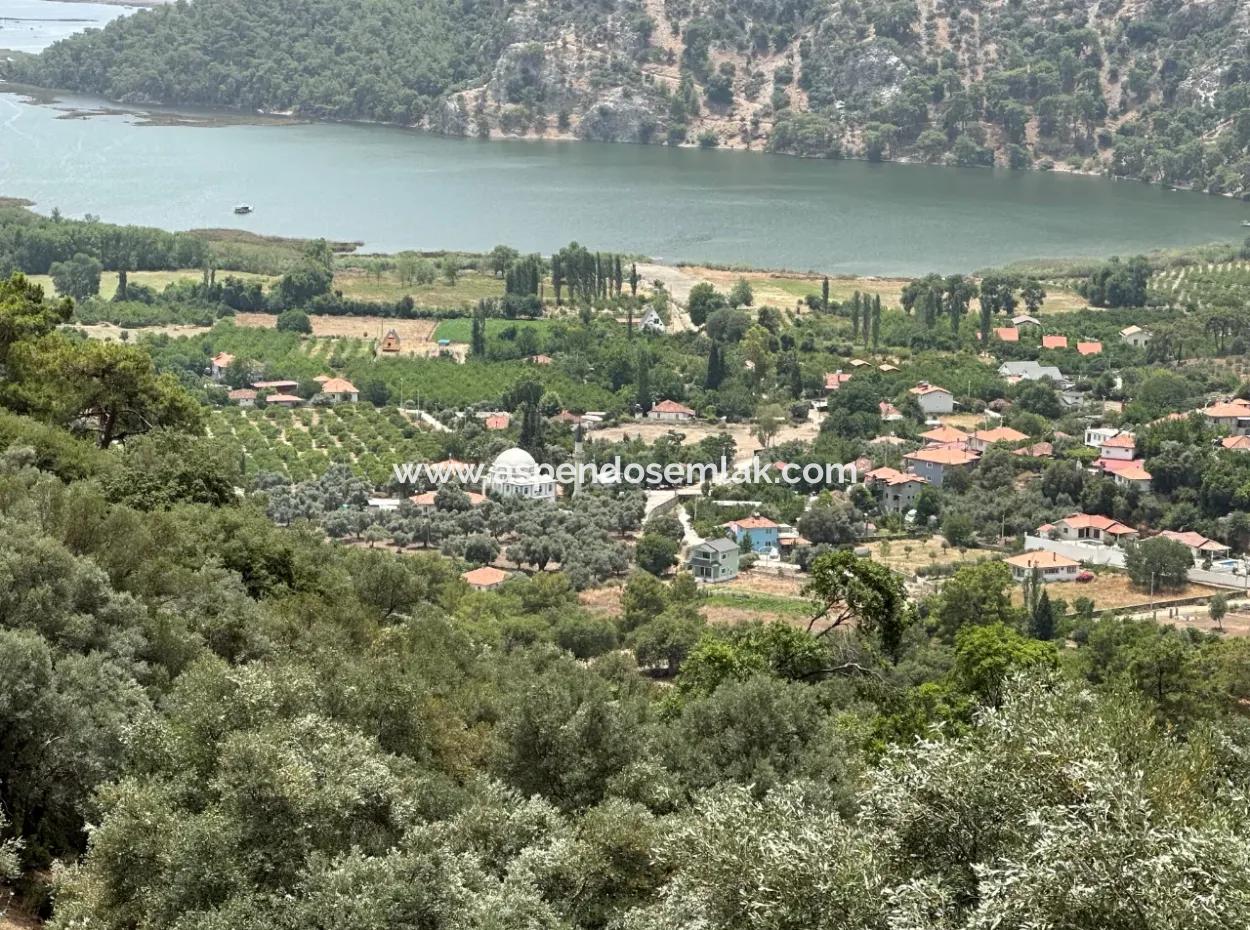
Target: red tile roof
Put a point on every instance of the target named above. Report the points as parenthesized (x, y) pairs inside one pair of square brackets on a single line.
[(671, 406), (1089, 348), (1054, 342), (485, 577)]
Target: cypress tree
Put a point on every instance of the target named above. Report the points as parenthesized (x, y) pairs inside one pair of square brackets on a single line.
[(643, 395), (876, 321), (633, 279), (557, 276), (824, 294), (715, 367), (855, 317)]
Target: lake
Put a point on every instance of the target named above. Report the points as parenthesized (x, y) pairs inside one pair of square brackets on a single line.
[(32, 25), (394, 189)]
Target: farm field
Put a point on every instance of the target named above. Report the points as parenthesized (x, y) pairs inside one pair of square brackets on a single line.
[(460, 329), (1206, 285), (751, 596), (301, 444), (1114, 591), (906, 555), (385, 287)]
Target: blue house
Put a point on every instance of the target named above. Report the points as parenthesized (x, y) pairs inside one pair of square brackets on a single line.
[(762, 531)]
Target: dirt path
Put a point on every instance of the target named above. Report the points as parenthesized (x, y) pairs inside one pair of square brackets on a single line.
[(678, 282)]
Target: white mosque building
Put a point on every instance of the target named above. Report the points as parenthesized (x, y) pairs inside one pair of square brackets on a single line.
[(515, 474)]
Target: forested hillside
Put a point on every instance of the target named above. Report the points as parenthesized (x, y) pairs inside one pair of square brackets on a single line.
[(1157, 90)]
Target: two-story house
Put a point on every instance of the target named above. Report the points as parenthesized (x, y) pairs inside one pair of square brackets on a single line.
[(714, 560)]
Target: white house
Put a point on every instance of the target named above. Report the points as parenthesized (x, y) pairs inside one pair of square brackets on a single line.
[(1200, 546), (1030, 371), (933, 399), (1088, 527), (1132, 475), (670, 411), (1121, 447), (1095, 436), (651, 321), (1051, 566), (515, 474), (1136, 336), (340, 389)]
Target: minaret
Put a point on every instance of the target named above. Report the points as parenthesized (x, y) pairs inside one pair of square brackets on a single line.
[(577, 459)]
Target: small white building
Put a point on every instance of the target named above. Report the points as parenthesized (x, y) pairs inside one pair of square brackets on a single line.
[(1087, 528), (243, 397), (1135, 336), (1095, 436), (933, 399), (1120, 447), (339, 390), (1050, 566), (651, 322), (670, 410), (515, 474)]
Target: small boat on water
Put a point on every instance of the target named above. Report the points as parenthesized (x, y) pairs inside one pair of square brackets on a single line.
[(1245, 222), (243, 209)]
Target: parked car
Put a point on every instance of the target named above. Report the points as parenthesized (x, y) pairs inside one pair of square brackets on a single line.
[(1085, 576)]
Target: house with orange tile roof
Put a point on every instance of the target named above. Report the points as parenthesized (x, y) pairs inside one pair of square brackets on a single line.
[(1133, 475), (1122, 446), (497, 421), (1007, 334), (486, 578), (1050, 566), (1039, 450), (1054, 342), (244, 397), (982, 439), (889, 412), (835, 380), (670, 410), (340, 389), (1236, 443), (763, 532), (934, 463), (1092, 347), (944, 436), (896, 490), (1088, 527), (284, 400), (1232, 415), (1200, 546), (218, 364)]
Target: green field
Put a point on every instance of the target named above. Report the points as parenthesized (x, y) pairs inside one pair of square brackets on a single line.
[(460, 329), (386, 287)]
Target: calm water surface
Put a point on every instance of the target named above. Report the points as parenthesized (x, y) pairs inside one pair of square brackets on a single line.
[(393, 189), (31, 25)]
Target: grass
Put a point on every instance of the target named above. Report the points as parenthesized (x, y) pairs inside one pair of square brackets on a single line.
[(386, 287), (460, 329)]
